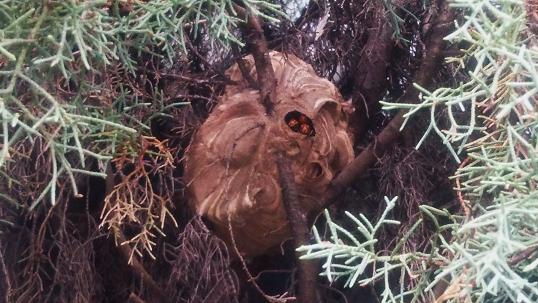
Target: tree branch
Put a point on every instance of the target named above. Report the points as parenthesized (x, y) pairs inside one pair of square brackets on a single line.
[(296, 217), (430, 64), (370, 79), (242, 64), (258, 47), (299, 227)]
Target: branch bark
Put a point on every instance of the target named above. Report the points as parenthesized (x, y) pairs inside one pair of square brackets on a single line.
[(371, 75), (431, 62), (307, 269), (258, 47), (296, 218)]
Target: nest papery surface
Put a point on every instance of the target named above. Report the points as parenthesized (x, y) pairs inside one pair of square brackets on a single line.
[(230, 168)]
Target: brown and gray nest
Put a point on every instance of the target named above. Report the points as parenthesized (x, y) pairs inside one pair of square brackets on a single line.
[(230, 168)]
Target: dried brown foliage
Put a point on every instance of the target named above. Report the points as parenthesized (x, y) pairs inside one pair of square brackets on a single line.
[(29, 172), (140, 203), (54, 257), (200, 267)]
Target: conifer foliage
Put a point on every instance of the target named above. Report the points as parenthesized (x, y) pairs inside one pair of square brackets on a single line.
[(99, 100)]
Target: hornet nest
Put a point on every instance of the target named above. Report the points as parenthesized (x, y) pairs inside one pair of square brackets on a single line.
[(230, 168)]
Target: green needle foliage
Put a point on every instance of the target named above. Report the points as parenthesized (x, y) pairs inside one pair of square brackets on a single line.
[(66, 84), (353, 255), (490, 255)]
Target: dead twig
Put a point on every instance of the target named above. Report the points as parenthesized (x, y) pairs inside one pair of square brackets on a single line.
[(5, 284), (463, 203), (273, 299), (523, 255), (138, 268), (136, 198), (127, 252)]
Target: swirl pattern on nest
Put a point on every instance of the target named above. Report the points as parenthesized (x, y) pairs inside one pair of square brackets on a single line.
[(230, 167)]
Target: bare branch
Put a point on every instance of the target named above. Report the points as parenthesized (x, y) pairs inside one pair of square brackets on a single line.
[(430, 64), (371, 74), (260, 51), (299, 228)]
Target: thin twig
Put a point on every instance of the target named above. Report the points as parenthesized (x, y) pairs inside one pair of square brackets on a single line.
[(523, 255), (273, 299), (136, 266), (5, 284), (463, 203)]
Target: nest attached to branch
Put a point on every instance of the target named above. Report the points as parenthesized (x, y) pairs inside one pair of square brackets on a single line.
[(230, 168)]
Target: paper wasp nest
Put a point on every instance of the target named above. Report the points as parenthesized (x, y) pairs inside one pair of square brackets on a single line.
[(230, 167)]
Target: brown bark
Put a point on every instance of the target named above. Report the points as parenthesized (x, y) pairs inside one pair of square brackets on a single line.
[(431, 62), (257, 45), (297, 219), (370, 79), (532, 15), (307, 269)]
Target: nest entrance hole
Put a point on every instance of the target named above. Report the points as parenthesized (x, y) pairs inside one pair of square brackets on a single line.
[(300, 123)]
